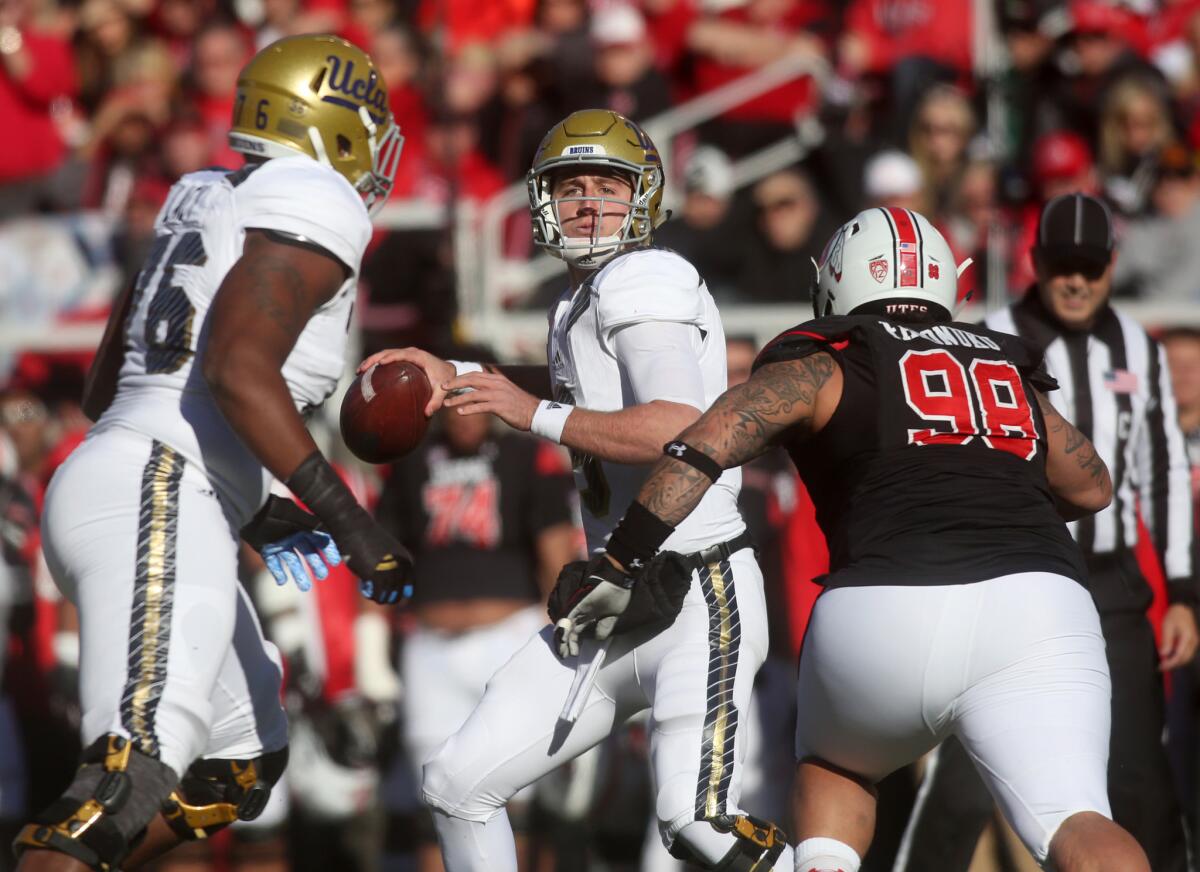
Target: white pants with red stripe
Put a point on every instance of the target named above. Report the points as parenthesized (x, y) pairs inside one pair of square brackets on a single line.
[(1013, 666), (171, 652), (695, 677)]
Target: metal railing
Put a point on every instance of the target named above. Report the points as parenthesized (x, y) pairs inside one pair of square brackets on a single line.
[(489, 285)]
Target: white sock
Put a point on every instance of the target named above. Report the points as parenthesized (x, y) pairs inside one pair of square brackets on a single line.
[(471, 846), (826, 855)]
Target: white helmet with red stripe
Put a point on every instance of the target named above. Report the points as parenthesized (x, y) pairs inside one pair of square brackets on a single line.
[(889, 261)]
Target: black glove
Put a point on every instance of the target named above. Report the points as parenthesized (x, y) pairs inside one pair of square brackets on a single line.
[(655, 594), (658, 593), (374, 555), (276, 520)]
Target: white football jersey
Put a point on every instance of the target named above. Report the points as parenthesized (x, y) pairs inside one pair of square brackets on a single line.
[(199, 235), (641, 286)]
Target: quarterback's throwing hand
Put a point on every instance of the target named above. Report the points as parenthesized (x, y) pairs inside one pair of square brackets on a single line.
[(474, 393), (438, 371)]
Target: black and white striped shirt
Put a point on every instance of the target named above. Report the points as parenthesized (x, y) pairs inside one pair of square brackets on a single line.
[(1115, 387)]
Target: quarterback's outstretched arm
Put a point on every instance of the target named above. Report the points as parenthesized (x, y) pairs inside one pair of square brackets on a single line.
[(746, 420)]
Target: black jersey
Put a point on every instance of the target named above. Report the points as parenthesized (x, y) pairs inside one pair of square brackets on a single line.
[(472, 522), (932, 470)]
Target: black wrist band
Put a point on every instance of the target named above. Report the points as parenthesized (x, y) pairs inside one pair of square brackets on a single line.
[(685, 453), (316, 484), (1181, 591), (638, 537)]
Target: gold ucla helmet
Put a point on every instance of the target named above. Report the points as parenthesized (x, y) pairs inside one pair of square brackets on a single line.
[(321, 96), (600, 138)]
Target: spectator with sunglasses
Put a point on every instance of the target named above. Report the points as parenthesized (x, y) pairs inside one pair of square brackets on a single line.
[(1115, 388), (1159, 258)]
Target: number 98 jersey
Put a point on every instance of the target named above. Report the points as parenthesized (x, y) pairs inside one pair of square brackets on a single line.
[(932, 469), (199, 235)]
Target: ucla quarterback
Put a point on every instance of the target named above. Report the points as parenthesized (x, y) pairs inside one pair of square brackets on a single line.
[(636, 352)]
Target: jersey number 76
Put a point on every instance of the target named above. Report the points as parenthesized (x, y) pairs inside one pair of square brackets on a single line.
[(946, 394)]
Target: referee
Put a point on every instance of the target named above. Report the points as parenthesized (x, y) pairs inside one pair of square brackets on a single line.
[(1115, 387)]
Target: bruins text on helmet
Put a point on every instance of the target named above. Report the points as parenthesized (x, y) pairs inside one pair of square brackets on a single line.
[(888, 261), (321, 96), (596, 138)]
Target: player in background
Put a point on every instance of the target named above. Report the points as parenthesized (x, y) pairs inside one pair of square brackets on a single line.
[(233, 331), (636, 352), (955, 602)]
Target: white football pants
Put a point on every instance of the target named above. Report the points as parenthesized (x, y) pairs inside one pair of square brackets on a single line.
[(1013, 666), (695, 677), (171, 653)]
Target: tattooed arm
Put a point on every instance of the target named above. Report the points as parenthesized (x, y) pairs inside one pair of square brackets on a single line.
[(256, 317), (1076, 473), (795, 397)]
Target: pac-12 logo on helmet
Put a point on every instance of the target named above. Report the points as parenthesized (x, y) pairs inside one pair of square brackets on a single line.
[(886, 256)]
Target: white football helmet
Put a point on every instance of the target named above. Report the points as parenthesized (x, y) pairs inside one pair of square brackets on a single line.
[(890, 257)]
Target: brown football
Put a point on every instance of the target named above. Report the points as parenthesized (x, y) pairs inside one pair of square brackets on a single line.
[(383, 412)]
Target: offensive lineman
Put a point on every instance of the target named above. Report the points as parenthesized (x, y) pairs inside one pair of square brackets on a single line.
[(234, 329), (636, 351), (955, 604)]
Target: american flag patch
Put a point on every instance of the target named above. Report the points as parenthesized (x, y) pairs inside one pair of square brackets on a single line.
[(908, 246), (1121, 381)]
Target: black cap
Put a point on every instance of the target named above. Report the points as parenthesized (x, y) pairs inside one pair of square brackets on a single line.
[(1075, 229)]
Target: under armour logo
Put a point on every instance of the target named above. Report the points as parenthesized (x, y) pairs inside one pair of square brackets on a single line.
[(677, 448), (636, 563)]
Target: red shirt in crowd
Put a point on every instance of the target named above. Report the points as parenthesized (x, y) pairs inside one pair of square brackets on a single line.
[(34, 147), (897, 29), (782, 104)]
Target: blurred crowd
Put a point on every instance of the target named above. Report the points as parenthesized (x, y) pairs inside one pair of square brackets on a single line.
[(972, 113)]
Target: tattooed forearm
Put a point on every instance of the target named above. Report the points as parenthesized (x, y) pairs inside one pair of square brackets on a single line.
[(1076, 446), (744, 422), (673, 490)]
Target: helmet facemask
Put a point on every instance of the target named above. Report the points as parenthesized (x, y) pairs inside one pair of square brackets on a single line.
[(592, 251), (376, 185)]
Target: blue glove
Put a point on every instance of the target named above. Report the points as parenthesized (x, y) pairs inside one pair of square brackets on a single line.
[(283, 557), (367, 589)]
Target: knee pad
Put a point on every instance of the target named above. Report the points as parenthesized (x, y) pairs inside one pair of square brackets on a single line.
[(757, 845), (214, 793), (103, 814)]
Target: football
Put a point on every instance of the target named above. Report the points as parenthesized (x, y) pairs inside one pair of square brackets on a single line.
[(383, 412)]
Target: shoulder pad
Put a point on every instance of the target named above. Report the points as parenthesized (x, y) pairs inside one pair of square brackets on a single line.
[(647, 285), (821, 334), (304, 198)]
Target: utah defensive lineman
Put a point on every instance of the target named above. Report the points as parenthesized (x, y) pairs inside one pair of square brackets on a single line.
[(234, 330), (636, 351), (955, 602)]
